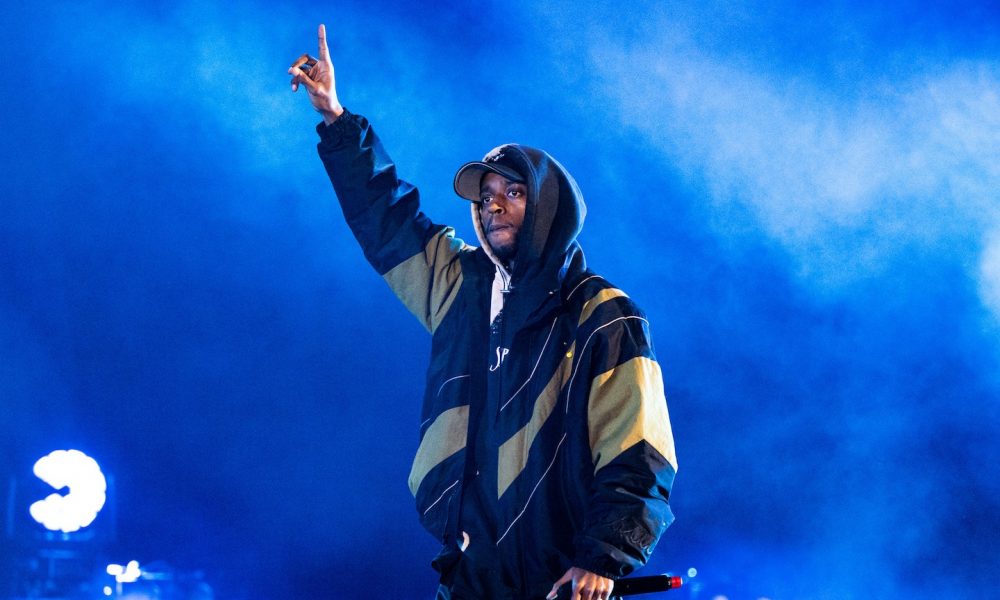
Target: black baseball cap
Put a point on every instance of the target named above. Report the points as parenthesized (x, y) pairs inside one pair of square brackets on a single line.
[(470, 175)]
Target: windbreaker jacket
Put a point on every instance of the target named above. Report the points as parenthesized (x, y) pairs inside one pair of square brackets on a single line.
[(576, 427)]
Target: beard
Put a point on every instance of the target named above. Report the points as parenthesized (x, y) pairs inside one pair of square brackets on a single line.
[(505, 251), (504, 246)]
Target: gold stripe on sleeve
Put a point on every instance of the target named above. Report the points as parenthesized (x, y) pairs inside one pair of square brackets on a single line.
[(627, 406), (428, 282), (445, 436)]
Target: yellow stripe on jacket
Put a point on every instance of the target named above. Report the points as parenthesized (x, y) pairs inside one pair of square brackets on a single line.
[(428, 282), (445, 436), (627, 406)]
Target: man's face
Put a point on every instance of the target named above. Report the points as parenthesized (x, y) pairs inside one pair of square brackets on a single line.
[(501, 209)]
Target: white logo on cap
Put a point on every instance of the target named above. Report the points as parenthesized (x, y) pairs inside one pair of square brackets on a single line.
[(495, 154)]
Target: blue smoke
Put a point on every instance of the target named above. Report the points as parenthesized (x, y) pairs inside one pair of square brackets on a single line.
[(802, 199)]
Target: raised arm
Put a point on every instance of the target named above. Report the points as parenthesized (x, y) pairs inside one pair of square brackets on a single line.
[(417, 258)]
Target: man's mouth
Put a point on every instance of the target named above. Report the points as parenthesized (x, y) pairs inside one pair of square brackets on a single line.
[(498, 227)]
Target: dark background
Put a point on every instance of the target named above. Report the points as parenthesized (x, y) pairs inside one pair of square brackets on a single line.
[(802, 199)]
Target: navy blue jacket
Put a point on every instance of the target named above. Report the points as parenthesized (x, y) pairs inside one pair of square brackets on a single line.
[(576, 450)]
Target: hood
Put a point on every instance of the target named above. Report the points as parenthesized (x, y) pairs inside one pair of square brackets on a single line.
[(553, 217)]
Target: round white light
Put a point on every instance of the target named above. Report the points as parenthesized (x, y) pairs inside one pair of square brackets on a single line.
[(87, 491)]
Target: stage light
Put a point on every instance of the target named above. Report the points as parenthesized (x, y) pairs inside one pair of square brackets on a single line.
[(107, 590), (128, 574), (86, 494), (692, 573), (132, 572)]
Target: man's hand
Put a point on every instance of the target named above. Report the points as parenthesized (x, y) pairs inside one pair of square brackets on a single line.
[(586, 585), (318, 80)]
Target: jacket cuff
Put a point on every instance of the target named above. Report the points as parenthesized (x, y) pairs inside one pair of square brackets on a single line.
[(343, 129), (601, 558)]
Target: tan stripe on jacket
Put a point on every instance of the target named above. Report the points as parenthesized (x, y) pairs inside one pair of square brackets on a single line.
[(445, 436), (428, 282), (627, 406)]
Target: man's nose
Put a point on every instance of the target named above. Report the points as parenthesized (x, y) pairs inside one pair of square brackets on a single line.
[(495, 208)]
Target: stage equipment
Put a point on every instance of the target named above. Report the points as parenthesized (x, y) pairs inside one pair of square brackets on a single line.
[(86, 489), (68, 501), (59, 516)]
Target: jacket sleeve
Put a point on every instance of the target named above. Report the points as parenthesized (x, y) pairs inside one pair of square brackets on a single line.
[(632, 449), (418, 259)]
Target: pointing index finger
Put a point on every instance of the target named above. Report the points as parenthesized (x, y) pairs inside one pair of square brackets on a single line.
[(324, 50)]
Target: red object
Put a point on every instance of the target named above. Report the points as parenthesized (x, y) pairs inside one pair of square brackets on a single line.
[(633, 586)]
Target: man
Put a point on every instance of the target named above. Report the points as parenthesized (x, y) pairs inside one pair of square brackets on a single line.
[(546, 456)]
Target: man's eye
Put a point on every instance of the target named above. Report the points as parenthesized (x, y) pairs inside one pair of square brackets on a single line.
[(485, 199), (515, 193)]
